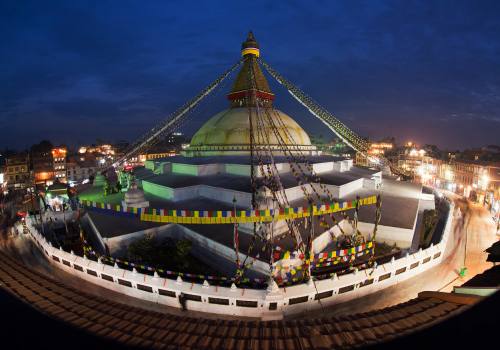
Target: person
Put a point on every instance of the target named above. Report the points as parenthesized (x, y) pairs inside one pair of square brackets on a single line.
[(182, 301)]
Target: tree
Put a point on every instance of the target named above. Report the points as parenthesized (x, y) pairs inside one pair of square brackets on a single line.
[(107, 187), (142, 248), (183, 247)]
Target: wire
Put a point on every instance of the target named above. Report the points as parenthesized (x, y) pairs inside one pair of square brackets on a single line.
[(155, 134)]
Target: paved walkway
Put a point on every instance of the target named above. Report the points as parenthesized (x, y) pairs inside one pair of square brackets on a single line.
[(478, 230)]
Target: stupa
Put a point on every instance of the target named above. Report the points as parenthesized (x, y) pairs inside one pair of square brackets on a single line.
[(134, 198)]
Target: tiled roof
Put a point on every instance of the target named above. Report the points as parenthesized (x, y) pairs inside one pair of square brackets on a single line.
[(134, 326)]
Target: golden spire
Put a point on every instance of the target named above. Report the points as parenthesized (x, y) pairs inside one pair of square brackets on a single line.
[(243, 88), (250, 46)]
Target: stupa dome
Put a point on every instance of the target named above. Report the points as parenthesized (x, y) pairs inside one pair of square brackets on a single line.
[(228, 133)]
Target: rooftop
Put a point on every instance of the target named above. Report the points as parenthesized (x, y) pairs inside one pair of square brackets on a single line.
[(133, 326)]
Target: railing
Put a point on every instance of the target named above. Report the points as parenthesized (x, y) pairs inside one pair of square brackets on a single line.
[(272, 303)]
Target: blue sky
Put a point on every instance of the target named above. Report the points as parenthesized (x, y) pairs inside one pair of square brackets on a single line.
[(75, 71)]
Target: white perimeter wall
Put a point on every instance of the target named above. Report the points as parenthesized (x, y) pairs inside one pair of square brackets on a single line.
[(336, 290)]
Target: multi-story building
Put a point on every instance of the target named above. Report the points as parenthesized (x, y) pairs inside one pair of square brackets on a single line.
[(492, 192), (17, 173), (59, 163), (377, 149), (105, 154), (81, 168), (416, 162), (43, 168), (3, 179), (476, 180)]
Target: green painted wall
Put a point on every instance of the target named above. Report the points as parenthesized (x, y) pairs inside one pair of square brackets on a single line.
[(185, 169), (157, 190), (238, 169), (149, 164)]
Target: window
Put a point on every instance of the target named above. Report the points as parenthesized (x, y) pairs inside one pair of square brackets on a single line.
[(167, 293), (145, 288), (107, 277), (298, 300), (323, 295), (366, 282), (384, 277), (426, 260), (192, 297), (246, 303), (124, 283), (401, 270), (346, 289), (273, 306), (92, 272), (412, 266), (437, 255), (55, 258), (77, 267), (65, 262), (218, 301)]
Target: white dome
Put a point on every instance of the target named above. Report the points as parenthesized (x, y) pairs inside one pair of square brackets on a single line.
[(228, 132)]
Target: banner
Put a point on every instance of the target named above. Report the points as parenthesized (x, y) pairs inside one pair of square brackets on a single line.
[(324, 256), (183, 216), (111, 261), (341, 259)]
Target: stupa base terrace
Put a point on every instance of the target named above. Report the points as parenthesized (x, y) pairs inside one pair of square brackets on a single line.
[(213, 183)]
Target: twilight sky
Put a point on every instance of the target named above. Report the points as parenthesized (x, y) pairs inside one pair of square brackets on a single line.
[(75, 71)]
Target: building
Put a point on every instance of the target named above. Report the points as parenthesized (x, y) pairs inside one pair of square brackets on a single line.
[(3, 179), (17, 173), (491, 181), (43, 167), (377, 149), (59, 163), (415, 161), (81, 168), (105, 154), (477, 180)]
